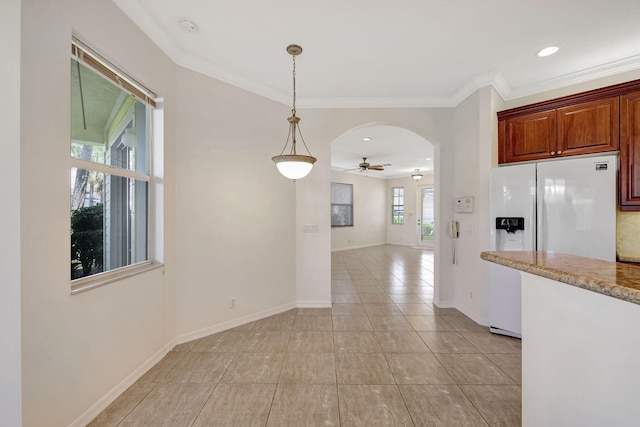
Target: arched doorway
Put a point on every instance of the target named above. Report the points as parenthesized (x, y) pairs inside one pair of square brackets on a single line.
[(389, 206), (388, 212)]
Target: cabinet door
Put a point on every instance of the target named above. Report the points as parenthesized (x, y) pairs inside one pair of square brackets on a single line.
[(630, 152), (528, 137), (590, 127)]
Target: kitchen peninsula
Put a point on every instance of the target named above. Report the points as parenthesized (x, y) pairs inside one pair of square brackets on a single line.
[(580, 338)]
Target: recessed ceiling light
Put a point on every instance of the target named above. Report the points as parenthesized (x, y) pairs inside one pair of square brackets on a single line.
[(366, 138), (428, 158), (548, 51), (188, 25)]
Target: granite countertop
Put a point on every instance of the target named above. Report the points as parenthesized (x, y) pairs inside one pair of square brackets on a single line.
[(615, 279)]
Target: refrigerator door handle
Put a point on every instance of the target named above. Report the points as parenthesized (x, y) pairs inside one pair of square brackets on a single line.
[(534, 224), (540, 241)]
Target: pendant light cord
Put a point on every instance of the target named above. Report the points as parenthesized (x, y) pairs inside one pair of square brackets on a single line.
[(293, 111)]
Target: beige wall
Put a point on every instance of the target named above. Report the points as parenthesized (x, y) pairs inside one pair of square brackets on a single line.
[(72, 346), (10, 356), (369, 208), (235, 220)]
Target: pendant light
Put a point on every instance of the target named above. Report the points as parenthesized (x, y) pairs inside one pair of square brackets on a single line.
[(417, 175), (289, 163)]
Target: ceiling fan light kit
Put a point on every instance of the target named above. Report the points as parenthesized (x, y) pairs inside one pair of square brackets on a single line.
[(291, 164)]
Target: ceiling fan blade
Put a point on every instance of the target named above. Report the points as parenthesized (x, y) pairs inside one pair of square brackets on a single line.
[(349, 170), (376, 168)]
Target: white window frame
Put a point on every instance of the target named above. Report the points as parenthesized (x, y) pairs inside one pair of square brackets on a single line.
[(90, 58), (394, 206), (334, 187)]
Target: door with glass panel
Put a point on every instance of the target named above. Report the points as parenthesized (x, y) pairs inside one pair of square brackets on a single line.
[(426, 221)]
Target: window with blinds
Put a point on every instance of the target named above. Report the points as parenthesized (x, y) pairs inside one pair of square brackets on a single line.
[(341, 205), (111, 170)]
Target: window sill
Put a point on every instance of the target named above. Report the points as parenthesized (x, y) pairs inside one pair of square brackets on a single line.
[(87, 283)]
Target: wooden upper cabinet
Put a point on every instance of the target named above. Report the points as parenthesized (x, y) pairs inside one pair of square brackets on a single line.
[(630, 152), (590, 127), (585, 123), (570, 129), (528, 137)]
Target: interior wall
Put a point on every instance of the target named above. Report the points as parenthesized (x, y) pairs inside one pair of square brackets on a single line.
[(474, 136), (313, 198), (369, 212), (72, 346), (407, 233), (466, 138), (444, 274), (235, 208), (10, 363)]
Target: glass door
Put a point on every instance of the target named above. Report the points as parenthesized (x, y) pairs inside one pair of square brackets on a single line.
[(426, 223)]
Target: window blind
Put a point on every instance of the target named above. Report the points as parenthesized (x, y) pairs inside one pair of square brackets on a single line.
[(90, 58)]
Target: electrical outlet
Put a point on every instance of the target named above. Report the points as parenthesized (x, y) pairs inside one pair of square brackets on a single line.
[(232, 302)]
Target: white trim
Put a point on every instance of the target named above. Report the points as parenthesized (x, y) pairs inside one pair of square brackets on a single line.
[(219, 327), (444, 304), (359, 247), (87, 283), (314, 304), (127, 382), (612, 68)]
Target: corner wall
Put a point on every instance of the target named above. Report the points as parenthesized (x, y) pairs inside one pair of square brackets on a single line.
[(475, 138), (235, 228), (72, 346), (10, 357), (369, 212)]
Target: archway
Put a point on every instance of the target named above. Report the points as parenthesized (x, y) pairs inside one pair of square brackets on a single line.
[(387, 201), (399, 152)]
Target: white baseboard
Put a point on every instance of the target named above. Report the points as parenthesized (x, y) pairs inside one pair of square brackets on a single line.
[(108, 398), (444, 304), (473, 316), (219, 327), (356, 247), (314, 304)]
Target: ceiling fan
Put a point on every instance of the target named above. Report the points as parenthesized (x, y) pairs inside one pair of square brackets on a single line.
[(364, 166)]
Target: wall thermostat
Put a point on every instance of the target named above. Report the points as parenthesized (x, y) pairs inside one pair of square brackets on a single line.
[(464, 204)]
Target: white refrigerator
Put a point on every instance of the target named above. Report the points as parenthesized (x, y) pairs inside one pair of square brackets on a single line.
[(566, 206)]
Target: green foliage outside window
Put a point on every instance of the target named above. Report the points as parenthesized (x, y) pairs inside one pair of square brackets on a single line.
[(87, 241)]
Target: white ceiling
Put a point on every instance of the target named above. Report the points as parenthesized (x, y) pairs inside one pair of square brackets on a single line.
[(401, 53), (404, 150)]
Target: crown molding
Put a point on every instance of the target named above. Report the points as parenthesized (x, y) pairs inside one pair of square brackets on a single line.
[(495, 79), (605, 70)]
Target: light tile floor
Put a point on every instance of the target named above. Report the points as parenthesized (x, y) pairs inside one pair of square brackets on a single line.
[(384, 355)]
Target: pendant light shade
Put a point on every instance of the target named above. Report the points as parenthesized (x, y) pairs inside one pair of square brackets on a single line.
[(417, 175), (289, 163), (294, 166)]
